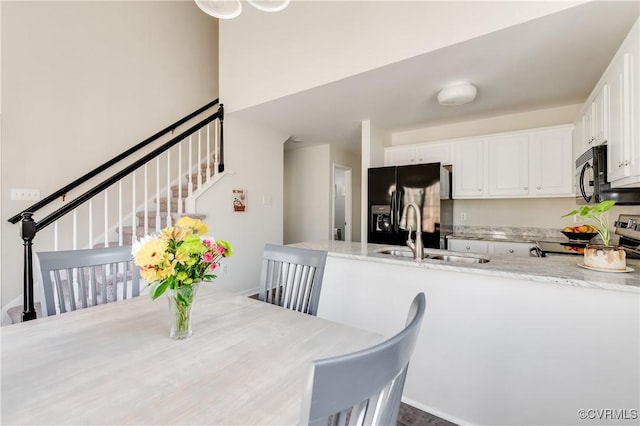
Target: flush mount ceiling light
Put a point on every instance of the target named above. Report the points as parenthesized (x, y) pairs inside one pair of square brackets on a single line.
[(458, 93), (229, 9)]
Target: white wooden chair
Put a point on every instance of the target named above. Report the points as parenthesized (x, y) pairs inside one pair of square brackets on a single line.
[(291, 277), (364, 387), (74, 279)]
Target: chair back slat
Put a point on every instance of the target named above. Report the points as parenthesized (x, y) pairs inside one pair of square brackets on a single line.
[(364, 387), (74, 279), (291, 277)]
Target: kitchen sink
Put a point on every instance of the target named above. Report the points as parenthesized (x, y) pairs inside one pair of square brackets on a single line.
[(457, 258), (441, 255), (398, 252)]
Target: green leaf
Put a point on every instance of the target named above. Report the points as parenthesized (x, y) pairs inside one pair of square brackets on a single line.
[(604, 206), (157, 290)]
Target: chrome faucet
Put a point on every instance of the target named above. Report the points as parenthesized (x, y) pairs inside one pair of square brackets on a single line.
[(416, 247)]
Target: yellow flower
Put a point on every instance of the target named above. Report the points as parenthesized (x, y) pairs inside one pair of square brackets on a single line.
[(174, 233), (151, 273), (193, 224), (152, 253)]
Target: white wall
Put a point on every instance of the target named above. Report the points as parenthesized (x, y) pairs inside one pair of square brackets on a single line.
[(497, 350), (349, 159), (267, 56), (254, 161), (84, 80)]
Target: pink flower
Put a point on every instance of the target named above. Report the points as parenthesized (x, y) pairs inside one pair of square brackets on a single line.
[(220, 249), (213, 266), (206, 243), (207, 257)]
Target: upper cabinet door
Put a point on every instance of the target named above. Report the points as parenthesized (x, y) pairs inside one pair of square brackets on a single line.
[(399, 156), (552, 163), (508, 161), (434, 153), (468, 169), (617, 76), (623, 77)]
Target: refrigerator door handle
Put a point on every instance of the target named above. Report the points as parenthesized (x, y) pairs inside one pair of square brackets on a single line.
[(393, 210)]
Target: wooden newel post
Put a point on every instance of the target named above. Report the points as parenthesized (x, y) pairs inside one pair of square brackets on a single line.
[(221, 116), (28, 233)]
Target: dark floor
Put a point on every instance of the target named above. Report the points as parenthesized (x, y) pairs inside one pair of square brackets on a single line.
[(411, 416)]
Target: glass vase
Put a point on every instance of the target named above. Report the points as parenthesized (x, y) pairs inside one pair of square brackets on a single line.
[(180, 304)]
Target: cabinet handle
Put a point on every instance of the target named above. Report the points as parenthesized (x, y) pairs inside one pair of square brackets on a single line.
[(619, 163), (468, 248), (539, 187), (526, 188), (626, 163), (510, 250)]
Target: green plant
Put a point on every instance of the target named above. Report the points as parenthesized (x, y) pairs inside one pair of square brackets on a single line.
[(597, 213)]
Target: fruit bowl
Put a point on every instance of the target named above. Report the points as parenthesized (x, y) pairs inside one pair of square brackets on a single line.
[(583, 236)]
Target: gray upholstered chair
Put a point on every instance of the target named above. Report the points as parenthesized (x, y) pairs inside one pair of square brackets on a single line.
[(74, 279), (291, 277), (364, 387)]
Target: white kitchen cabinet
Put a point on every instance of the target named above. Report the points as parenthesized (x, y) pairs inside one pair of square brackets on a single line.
[(623, 77), (508, 165), (468, 246), (533, 163), (400, 156), (577, 137), (593, 122), (551, 163), (497, 248), (469, 169), (500, 248), (419, 154)]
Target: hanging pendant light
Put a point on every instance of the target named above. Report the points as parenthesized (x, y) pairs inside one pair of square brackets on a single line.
[(221, 9), (229, 9), (269, 5)]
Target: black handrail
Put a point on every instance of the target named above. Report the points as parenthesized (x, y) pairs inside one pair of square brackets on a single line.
[(113, 161), (122, 173)]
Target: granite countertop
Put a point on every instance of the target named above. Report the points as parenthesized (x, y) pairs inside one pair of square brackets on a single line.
[(509, 234), (557, 269)]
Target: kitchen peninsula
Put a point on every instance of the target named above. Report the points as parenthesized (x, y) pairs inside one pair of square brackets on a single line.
[(511, 341)]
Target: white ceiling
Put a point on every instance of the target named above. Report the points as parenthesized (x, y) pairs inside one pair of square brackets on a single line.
[(552, 61)]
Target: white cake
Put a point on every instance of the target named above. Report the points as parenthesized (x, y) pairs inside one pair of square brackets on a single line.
[(605, 258)]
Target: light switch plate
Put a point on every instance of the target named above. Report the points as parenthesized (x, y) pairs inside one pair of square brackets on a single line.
[(25, 194)]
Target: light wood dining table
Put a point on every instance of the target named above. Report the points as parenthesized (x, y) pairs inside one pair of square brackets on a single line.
[(246, 363)]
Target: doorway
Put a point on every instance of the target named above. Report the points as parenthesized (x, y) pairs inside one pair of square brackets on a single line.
[(341, 211)]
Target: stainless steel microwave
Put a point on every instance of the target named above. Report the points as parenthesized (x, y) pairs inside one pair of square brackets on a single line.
[(591, 175), (592, 185)]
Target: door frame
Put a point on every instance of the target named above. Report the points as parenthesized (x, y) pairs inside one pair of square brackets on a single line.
[(348, 171)]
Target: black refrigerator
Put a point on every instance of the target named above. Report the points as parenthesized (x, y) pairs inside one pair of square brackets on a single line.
[(390, 189)]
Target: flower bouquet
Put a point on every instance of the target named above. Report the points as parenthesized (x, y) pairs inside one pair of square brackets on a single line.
[(176, 261)]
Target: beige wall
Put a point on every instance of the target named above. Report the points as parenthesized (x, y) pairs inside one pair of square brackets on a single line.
[(352, 160), (81, 81), (307, 183), (260, 174), (267, 56), (503, 123), (307, 192)]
